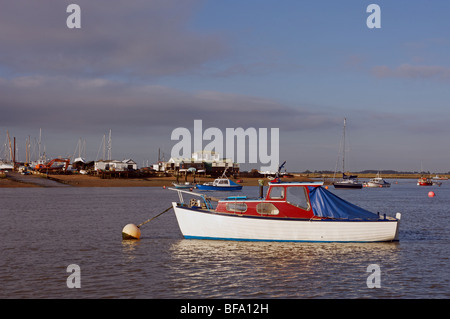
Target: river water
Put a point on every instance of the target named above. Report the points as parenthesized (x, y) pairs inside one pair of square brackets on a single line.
[(44, 230)]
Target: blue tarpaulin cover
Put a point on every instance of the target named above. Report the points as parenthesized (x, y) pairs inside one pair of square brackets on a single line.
[(326, 204)]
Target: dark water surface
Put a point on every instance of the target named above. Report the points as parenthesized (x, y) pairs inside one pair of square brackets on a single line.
[(44, 230)]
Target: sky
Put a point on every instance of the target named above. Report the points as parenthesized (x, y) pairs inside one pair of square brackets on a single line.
[(143, 68)]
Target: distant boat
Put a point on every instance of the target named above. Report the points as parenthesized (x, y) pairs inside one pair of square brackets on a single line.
[(185, 185), (424, 181), (347, 181), (6, 166), (377, 182), (440, 178), (222, 183)]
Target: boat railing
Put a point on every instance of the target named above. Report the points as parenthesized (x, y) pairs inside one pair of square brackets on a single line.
[(206, 199)]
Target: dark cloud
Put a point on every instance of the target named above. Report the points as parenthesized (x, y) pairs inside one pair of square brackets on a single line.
[(69, 104), (141, 117), (95, 77), (117, 38)]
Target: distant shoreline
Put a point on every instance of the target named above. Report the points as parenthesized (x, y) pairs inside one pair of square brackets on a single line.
[(78, 180)]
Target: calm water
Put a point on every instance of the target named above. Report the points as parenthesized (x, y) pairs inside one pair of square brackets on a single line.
[(44, 230)]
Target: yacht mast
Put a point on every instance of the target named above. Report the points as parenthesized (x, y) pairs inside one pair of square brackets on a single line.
[(109, 146), (343, 149)]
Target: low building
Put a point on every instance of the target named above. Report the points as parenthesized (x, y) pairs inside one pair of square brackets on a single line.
[(206, 156), (115, 165), (207, 162), (129, 165)]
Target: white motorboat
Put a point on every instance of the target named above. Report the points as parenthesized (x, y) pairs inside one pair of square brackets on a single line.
[(378, 181), (290, 211)]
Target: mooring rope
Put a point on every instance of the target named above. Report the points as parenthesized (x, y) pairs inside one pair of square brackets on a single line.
[(154, 217)]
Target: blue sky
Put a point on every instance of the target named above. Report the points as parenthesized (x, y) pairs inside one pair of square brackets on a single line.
[(144, 68)]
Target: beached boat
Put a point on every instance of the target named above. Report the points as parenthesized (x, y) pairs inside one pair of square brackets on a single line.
[(378, 181), (290, 211), (6, 166)]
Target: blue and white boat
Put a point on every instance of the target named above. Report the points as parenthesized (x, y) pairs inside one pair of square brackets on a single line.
[(222, 183)]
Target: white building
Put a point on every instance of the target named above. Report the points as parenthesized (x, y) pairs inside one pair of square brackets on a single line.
[(202, 161), (206, 156), (114, 165)]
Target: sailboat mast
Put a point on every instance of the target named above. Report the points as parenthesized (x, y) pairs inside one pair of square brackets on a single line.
[(343, 150), (109, 146), (39, 145), (10, 147)]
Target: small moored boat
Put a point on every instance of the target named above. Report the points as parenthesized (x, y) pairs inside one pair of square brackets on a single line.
[(424, 181), (290, 211), (348, 181), (186, 185), (220, 184), (377, 181), (440, 178)]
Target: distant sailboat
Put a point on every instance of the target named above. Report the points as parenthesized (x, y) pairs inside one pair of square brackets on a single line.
[(347, 181), (7, 163)]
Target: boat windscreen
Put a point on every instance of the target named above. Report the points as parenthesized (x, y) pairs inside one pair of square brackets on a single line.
[(326, 204)]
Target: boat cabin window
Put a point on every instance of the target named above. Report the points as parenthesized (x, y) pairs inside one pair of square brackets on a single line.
[(236, 207), (276, 193), (267, 209), (297, 196), (223, 182)]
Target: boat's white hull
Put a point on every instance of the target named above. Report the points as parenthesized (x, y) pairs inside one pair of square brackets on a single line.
[(196, 223), (369, 184)]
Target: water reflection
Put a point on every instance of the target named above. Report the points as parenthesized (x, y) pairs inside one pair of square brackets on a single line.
[(44, 230), (205, 268), (129, 248)]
